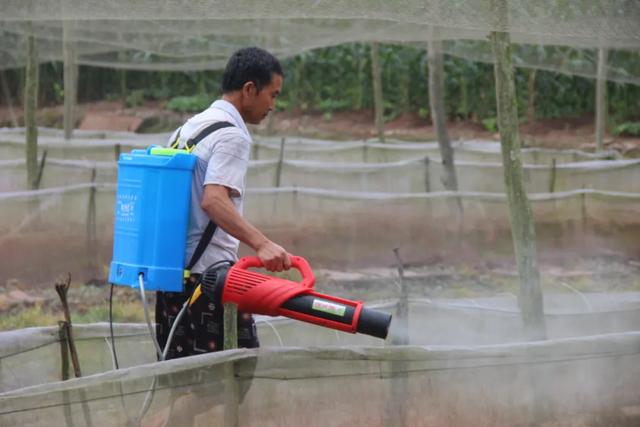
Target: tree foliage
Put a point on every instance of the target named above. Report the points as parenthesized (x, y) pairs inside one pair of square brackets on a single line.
[(339, 78)]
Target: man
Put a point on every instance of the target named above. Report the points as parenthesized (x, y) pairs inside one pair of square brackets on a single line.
[(250, 84)]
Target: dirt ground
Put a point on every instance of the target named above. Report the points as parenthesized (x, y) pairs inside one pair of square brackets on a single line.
[(562, 133)]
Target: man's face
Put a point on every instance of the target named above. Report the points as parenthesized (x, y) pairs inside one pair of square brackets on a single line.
[(258, 104)]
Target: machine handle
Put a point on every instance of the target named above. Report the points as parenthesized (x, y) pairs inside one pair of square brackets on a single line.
[(297, 262)]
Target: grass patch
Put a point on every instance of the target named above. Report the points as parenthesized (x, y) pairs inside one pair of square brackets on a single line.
[(39, 315)]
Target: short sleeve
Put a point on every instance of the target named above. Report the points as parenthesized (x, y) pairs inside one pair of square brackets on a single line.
[(228, 163)]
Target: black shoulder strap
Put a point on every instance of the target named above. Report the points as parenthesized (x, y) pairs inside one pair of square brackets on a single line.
[(202, 244), (211, 226), (193, 141)]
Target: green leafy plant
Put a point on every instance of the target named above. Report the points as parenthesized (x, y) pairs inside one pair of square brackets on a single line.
[(490, 124), (135, 98), (331, 105), (628, 129), (189, 104), (423, 113)]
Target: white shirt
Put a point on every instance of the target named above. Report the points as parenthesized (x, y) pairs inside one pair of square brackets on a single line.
[(223, 158)]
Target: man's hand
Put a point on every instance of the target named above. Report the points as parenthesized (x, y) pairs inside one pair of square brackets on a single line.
[(216, 202), (273, 256)]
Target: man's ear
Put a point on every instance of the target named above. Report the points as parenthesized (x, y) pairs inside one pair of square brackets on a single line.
[(249, 89)]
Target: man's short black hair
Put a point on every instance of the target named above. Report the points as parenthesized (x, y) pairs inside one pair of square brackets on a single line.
[(250, 64)]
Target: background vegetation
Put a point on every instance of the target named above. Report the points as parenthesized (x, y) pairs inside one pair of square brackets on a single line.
[(339, 78)]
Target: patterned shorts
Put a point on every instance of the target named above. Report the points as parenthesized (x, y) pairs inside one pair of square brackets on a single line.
[(201, 328)]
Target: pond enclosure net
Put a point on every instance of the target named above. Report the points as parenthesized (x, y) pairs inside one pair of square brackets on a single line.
[(465, 366), (341, 206), (331, 195)]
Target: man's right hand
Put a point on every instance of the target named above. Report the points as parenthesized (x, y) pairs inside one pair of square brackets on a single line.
[(273, 256)]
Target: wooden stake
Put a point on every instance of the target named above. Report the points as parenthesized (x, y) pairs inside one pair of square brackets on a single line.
[(280, 161), (438, 114), (43, 161), (427, 175), (230, 326), (552, 178), (91, 228), (70, 79), (531, 96), (378, 102), (62, 289), (601, 98), (402, 311), (8, 98), (30, 105)]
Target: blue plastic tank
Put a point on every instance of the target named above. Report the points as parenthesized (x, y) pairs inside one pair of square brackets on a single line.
[(151, 218)]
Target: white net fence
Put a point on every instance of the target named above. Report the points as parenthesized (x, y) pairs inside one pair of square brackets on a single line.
[(554, 35), (104, 146), (348, 166), (340, 203), (469, 366), (65, 229)]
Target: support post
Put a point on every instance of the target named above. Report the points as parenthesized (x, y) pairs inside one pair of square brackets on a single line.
[(8, 98), (378, 102), (92, 240), (230, 326), (552, 178), (70, 78), (520, 215), (231, 395), (438, 114), (601, 98), (531, 96), (64, 350), (427, 175), (30, 106), (279, 166), (122, 79), (402, 311), (43, 162)]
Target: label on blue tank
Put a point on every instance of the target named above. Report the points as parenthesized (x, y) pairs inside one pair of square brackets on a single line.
[(127, 206)]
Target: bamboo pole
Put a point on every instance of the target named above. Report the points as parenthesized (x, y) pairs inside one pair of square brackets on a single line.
[(64, 349), (122, 79), (30, 106), (70, 80), (280, 161), (521, 218), (552, 177), (92, 240), (438, 114), (8, 98), (402, 308), (230, 326), (427, 175), (531, 96), (378, 102), (231, 396), (601, 98)]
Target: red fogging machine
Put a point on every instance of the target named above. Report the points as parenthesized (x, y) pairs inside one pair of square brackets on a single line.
[(259, 293)]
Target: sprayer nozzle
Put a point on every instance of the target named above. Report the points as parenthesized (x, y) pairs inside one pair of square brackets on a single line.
[(373, 322)]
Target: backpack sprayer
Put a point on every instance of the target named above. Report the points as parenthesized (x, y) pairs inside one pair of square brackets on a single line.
[(151, 221)]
